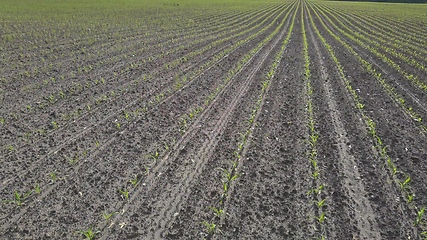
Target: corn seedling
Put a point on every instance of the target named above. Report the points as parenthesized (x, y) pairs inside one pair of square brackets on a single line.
[(124, 194), (19, 198), (419, 219), (53, 177), (321, 218), (410, 197), (217, 212), (134, 180), (37, 188), (89, 234), (54, 125), (107, 216), (155, 155), (210, 227), (321, 203), (404, 184)]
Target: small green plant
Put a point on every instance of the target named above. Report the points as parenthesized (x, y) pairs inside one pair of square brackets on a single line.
[(53, 177), (19, 198), (217, 212), (107, 216), (404, 184), (11, 148), (125, 194), (54, 125), (420, 215), (321, 218), (321, 203), (134, 180), (410, 197), (155, 155), (37, 188), (126, 115), (210, 227), (316, 190), (89, 234), (51, 98), (147, 170)]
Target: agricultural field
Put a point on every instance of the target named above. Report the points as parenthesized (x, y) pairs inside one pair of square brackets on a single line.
[(189, 119)]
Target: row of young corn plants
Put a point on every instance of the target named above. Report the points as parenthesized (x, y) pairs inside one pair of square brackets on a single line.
[(410, 32), (118, 51), (131, 115), (386, 35), (188, 117), (403, 184), (87, 109), (379, 40), (370, 67), (158, 98), (402, 20), (122, 29), (364, 39), (52, 98), (318, 199), (157, 153), (231, 173)]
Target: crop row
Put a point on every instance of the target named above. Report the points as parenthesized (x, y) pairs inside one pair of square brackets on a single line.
[(401, 179)]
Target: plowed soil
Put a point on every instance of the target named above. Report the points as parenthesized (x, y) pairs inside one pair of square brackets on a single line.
[(132, 137)]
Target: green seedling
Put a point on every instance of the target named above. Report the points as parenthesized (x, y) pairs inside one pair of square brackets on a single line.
[(404, 184), (321, 218), (420, 215), (126, 115), (229, 177), (107, 216), (125, 194), (134, 180), (53, 177), (37, 188), (410, 197), (11, 148), (19, 198), (147, 170), (89, 234), (321, 203), (54, 125), (51, 98), (73, 161), (155, 155), (210, 227), (217, 212), (316, 190), (316, 174), (118, 125)]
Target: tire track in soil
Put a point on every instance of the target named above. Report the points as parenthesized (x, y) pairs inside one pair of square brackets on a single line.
[(109, 116), (381, 192), (93, 109), (209, 137), (112, 139), (364, 216), (270, 200), (393, 81), (86, 131), (399, 132)]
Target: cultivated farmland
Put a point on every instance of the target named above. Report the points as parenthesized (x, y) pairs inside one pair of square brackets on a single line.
[(188, 119)]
